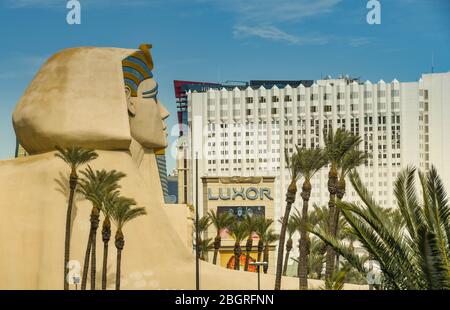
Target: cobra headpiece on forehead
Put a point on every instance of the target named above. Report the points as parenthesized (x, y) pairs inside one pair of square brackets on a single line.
[(138, 67)]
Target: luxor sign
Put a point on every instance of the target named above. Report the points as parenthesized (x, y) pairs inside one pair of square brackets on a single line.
[(250, 193)]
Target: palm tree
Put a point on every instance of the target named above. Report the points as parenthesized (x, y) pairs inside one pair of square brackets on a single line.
[(74, 157), (336, 281), (111, 201), (262, 230), (318, 217), (95, 186), (310, 161), (220, 221), (238, 231), (203, 224), (291, 229), (352, 159), (415, 257), (292, 165), (206, 245), (337, 144), (122, 214), (250, 222), (270, 238)]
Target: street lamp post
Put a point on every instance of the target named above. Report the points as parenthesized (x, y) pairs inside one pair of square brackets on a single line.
[(258, 265), (197, 246)]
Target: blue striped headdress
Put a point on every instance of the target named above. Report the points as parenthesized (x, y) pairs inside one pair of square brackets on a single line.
[(138, 67)]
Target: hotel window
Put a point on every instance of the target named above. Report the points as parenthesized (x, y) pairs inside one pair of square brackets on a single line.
[(262, 99), (275, 99), (395, 93), (287, 98), (340, 95), (313, 109), (314, 96), (300, 97), (354, 95), (381, 93), (425, 94), (381, 106), (274, 111), (326, 96), (327, 108), (367, 94)]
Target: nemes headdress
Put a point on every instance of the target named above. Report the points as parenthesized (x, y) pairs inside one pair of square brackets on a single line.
[(138, 67)]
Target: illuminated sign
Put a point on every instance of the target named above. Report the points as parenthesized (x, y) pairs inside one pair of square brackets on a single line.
[(251, 193), (241, 211)]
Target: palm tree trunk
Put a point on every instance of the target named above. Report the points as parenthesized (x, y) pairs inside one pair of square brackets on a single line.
[(340, 192), (260, 249), (329, 258), (119, 262), (105, 265), (299, 258), (266, 258), (237, 255), (87, 255), (248, 249), (106, 235), (94, 224), (332, 184), (72, 185), (217, 242), (303, 243), (290, 199), (120, 242), (288, 251)]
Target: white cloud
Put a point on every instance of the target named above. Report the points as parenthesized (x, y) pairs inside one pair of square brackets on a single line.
[(273, 11), (273, 33), (357, 42), (18, 4), (268, 19)]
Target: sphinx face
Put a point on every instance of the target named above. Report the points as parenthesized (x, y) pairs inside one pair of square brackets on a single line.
[(147, 115)]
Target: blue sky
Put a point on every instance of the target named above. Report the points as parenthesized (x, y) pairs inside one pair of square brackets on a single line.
[(219, 40)]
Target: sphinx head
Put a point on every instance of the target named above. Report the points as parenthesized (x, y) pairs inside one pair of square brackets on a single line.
[(98, 98), (146, 113)]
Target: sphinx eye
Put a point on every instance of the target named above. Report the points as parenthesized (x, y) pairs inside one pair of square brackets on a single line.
[(151, 94)]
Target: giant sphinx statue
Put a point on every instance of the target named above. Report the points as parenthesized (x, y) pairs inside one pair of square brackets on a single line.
[(104, 99)]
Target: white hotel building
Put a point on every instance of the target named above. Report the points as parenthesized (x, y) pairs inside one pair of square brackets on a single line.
[(244, 132)]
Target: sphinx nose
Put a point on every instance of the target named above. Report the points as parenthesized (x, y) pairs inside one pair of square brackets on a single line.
[(164, 113)]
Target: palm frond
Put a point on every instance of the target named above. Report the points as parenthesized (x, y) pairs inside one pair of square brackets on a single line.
[(75, 156), (239, 231), (433, 261), (310, 161), (123, 211)]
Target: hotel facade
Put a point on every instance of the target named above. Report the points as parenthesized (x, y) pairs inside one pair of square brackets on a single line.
[(246, 131)]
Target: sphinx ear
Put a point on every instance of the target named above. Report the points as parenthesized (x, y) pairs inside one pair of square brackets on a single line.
[(130, 104)]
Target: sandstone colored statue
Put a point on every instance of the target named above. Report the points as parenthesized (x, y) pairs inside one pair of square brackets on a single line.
[(97, 98)]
